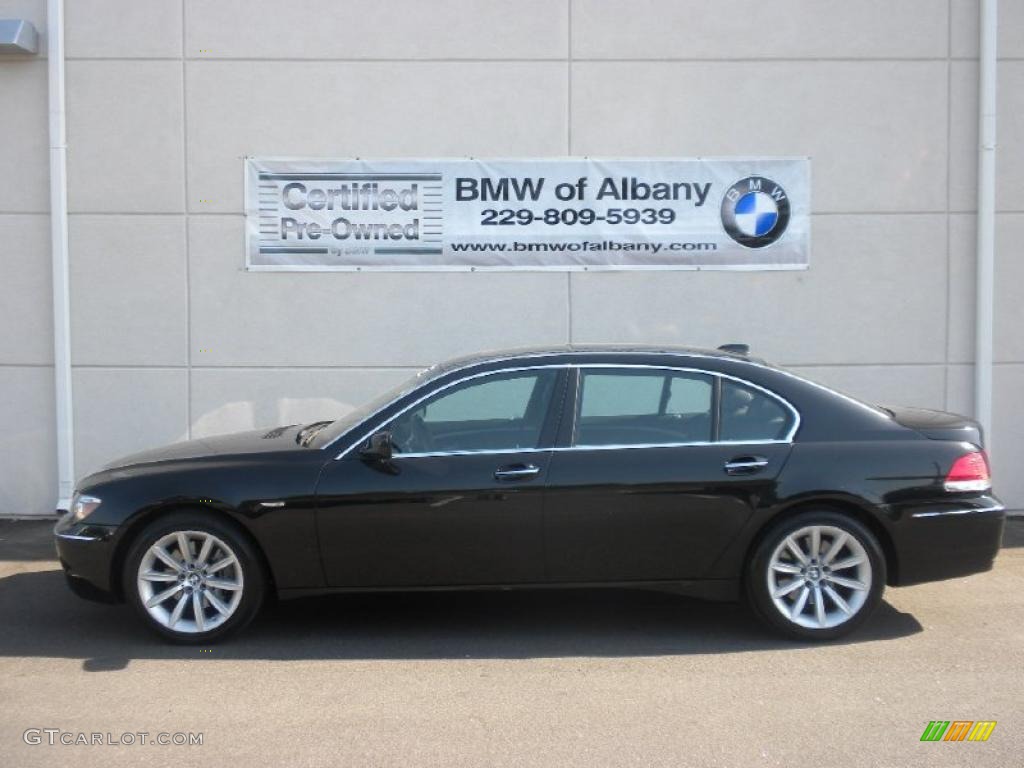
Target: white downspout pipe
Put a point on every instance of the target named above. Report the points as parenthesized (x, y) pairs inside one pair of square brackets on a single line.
[(986, 216), (59, 252)]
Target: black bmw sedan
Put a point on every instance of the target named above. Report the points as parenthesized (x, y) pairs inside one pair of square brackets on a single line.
[(709, 473)]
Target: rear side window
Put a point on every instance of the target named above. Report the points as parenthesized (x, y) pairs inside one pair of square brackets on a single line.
[(748, 414), (643, 408), (620, 394), (688, 395)]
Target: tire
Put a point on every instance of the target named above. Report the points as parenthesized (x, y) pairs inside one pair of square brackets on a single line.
[(786, 584), (227, 594)]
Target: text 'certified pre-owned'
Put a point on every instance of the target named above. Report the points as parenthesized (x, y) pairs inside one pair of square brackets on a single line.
[(527, 214)]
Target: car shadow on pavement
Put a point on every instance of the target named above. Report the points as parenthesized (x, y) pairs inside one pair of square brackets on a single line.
[(39, 617)]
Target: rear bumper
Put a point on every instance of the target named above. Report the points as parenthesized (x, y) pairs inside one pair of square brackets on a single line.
[(946, 539), (85, 553)]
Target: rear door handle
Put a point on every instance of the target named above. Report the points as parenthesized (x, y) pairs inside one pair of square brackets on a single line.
[(516, 472), (745, 465)]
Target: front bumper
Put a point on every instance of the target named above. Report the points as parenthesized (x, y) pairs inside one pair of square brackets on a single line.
[(946, 539), (85, 552)]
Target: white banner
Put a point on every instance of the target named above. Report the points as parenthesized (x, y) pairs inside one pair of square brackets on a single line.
[(527, 214)]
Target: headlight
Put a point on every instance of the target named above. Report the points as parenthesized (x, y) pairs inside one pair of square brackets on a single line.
[(83, 506)]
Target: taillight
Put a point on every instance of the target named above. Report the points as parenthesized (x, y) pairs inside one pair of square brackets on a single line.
[(969, 473)]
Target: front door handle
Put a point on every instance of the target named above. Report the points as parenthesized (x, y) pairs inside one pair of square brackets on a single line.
[(745, 465), (516, 472)]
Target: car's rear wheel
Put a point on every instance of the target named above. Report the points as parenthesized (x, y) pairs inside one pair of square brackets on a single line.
[(193, 579), (816, 576)]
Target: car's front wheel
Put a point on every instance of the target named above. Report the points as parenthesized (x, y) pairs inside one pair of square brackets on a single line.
[(816, 576), (193, 579)]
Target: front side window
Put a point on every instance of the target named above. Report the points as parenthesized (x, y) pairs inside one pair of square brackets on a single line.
[(505, 411), (645, 407)]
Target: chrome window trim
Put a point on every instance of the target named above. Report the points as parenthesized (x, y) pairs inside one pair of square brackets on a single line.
[(578, 366), (565, 448), (480, 452), (694, 443), (974, 510)]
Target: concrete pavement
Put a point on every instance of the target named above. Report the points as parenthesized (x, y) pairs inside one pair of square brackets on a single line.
[(575, 678)]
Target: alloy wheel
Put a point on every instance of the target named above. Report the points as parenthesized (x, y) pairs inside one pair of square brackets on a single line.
[(819, 576), (190, 581)]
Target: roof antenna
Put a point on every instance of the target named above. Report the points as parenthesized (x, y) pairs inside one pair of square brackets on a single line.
[(735, 349)]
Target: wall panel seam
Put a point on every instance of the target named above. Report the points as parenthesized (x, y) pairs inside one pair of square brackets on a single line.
[(551, 59), (908, 212), (568, 143), (421, 366), (548, 59), (187, 227), (941, 212), (949, 154)]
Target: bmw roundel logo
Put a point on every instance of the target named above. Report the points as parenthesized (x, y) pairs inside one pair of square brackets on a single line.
[(755, 211)]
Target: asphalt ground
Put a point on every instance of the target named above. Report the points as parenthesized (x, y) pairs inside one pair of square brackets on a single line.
[(567, 678)]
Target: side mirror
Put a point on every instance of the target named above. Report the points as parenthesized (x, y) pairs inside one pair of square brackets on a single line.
[(378, 447)]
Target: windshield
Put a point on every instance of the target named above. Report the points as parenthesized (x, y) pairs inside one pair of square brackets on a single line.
[(340, 426)]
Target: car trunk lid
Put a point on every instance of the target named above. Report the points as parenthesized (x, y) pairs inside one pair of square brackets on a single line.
[(938, 425)]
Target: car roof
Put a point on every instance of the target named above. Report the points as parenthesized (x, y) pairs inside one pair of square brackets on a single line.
[(582, 350), (830, 412)]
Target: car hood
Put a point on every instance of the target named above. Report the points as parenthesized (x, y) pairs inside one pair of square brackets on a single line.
[(249, 442)]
